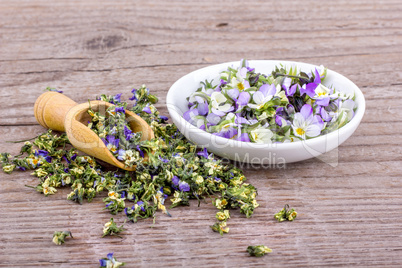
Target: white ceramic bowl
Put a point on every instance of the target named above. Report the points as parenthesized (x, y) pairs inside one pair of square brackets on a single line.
[(248, 152)]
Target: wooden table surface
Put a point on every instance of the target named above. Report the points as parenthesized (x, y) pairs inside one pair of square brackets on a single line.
[(350, 213)]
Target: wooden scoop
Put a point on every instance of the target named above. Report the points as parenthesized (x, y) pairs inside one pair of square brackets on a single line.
[(58, 112)]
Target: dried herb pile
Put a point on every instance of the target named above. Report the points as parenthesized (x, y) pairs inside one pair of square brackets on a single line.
[(176, 169)]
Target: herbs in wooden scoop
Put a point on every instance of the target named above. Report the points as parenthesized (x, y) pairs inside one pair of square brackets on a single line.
[(114, 130)]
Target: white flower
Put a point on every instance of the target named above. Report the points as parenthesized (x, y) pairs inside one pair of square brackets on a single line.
[(261, 135), (303, 127), (322, 91), (342, 95), (199, 180), (260, 100), (218, 102), (322, 71), (281, 94), (238, 82), (348, 107)]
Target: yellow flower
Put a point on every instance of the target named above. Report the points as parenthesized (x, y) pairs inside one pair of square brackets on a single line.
[(227, 214), (8, 169), (220, 216), (169, 175), (145, 176), (255, 204), (292, 216), (220, 203), (67, 180), (253, 195), (56, 240), (46, 189), (213, 167), (223, 215), (199, 180), (176, 198), (113, 195), (76, 171), (70, 195), (223, 227)]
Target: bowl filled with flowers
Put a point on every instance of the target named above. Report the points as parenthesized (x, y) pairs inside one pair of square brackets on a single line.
[(266, 111)]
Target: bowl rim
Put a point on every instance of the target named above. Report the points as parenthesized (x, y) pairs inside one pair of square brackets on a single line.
[(177, 116)]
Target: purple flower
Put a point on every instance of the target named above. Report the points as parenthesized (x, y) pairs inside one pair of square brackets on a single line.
[(319, 121), (222, 83), (141, 205), (140, 151), (203, 153), (110, 203), (48, 159), (119, 110), (241, 120), (233, 93), (163, 118), (164, 160), (244, 98), (243, 137), (309, 88), (112, 143), (268, 90), (121, 155), (116, 99), (203, 127), (322, 95), (213, 119), (147, 109), (305, 124), (280, 121), (324, 114), (184, 187), (292, 90), (250, 69), (134, 91), (227, 132), (112, 140), (21, 168), (175, 180), (66, 170), (202, 108), (103, 263), (110, 256), (127, 133), (65, 158), (190, 116), (42, 153), (123, 194), (245, 64)]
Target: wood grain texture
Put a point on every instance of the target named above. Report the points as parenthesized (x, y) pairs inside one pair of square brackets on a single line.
[(350, 213)]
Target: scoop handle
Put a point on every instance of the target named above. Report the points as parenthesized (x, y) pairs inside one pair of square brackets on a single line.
[(51, 108)]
